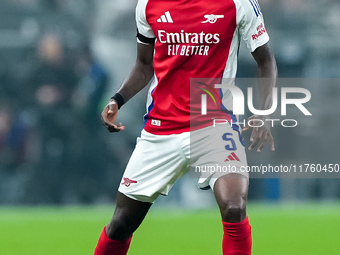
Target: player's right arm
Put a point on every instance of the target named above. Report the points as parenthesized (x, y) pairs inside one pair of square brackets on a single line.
[(138, 78)]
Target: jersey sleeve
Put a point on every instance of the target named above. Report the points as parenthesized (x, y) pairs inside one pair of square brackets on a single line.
[(145, 34), (251, 24)]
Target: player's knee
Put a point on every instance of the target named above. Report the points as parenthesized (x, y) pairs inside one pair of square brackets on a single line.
[(233, 211)]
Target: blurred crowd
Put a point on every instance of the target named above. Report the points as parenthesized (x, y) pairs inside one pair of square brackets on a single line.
[(50, 101), (60, 59), (49, 122)]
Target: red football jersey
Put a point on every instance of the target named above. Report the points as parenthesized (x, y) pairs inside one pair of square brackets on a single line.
[(194, 39)]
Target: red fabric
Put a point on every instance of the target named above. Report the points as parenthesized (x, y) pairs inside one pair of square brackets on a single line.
[(106, 246), (177, 60), (237, 238)]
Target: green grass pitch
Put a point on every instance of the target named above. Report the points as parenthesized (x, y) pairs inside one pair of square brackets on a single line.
[(312, 229)]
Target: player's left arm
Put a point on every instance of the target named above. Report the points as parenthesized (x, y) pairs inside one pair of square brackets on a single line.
[(267, 74)]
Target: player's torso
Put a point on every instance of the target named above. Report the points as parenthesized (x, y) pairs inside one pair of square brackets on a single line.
[(193, 40)]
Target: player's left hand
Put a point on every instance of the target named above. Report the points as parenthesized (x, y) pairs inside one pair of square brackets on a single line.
[(261, 134)]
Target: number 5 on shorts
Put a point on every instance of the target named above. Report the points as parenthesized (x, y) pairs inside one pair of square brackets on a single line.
[(232, 145)]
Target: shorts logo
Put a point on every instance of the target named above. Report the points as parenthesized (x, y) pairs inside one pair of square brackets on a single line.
[(127, 182), (212, 18), (232, 157)]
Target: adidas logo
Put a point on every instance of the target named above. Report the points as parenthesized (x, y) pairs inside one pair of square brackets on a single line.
[(166, 18), (232, 157)]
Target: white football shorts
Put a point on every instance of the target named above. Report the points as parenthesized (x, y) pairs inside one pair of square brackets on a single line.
[(159, 160)]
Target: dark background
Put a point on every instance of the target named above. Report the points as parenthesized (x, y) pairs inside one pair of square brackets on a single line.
[(62, 59)]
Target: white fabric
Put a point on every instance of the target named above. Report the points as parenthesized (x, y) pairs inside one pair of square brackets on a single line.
[(249, 17), (142, 24), (159, 160)]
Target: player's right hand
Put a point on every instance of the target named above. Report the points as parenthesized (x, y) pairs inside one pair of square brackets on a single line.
[(109, 115)]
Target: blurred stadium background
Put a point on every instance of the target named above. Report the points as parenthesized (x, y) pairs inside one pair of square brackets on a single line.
[(60, 62)]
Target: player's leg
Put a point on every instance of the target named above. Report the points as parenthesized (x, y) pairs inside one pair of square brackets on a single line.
[(116, 236), (128, 215), (156, 163), (221, 149), (231, 195)]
